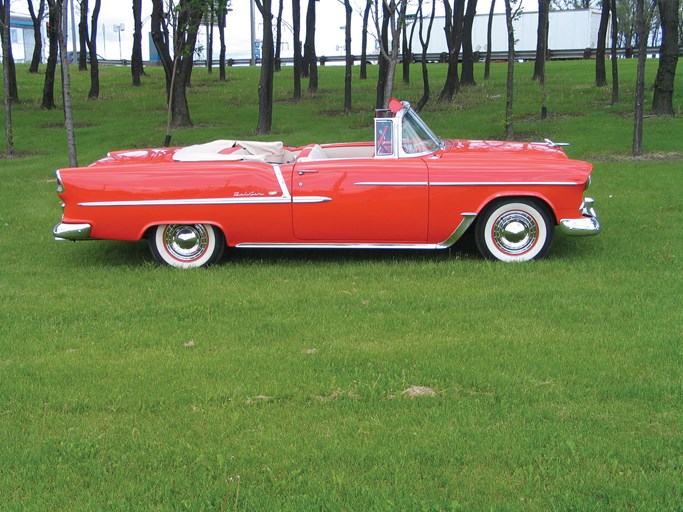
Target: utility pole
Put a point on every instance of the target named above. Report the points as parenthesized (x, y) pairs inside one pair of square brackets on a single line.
[(120, 28), (73, 32)]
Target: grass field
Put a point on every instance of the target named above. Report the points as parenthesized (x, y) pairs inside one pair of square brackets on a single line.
[(278, 380)]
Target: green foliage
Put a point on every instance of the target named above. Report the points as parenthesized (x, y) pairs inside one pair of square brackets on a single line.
[(278, 380)]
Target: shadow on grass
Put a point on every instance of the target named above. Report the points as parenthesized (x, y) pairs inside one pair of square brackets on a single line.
[(120, 254)]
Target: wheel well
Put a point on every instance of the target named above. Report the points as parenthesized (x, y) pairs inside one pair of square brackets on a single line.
[(537, 201), (145, 234)]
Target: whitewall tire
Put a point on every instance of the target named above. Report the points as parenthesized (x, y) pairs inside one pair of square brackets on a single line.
[(514, 230), (186, 245)]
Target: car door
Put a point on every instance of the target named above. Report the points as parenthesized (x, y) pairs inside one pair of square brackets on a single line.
[(361, 200)]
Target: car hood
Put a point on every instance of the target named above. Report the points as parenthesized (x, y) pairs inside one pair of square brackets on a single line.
[(534, 150)]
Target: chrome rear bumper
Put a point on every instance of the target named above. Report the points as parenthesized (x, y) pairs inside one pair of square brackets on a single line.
[(583, 226), (64, 231)]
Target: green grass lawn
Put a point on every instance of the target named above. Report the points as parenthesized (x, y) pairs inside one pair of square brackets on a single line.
[(277, 380)]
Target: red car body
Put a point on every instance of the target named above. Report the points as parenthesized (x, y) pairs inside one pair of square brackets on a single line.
[(409, 189)]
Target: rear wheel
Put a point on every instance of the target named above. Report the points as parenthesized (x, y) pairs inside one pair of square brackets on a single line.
[(514, 230), (186, 245)]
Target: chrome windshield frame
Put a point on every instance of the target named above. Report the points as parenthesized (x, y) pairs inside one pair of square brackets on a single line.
[(402, 117)]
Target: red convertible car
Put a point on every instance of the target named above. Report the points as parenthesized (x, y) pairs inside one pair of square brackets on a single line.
[(407, 190)]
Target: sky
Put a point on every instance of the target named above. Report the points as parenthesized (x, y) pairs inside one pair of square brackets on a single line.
[(329, 27)]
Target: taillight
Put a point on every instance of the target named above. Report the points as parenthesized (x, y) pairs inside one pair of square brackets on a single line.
[(60, 185)]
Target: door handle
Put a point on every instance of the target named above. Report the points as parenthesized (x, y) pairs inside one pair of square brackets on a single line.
[(304, 171)]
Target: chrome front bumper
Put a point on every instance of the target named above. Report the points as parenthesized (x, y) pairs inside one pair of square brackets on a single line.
[(583, 226), (64, 231)]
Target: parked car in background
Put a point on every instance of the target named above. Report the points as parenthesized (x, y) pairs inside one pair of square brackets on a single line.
[(408, 190)]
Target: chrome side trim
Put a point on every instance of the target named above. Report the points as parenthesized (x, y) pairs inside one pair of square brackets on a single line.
[(186, 202), (281, 181), (63, 231), (392, 183), (466, 222), (488, 183), (311, 199), (268, 245)]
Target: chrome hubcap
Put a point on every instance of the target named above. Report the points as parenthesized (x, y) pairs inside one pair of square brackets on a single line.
[(515, 232), (185, 242)]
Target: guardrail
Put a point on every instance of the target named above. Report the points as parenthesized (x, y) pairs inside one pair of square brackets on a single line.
[(587, 53)]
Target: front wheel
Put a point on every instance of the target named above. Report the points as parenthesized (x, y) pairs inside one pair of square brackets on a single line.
[(186, 245), (516, 230)]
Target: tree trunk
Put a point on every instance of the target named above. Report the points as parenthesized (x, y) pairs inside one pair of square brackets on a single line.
[(487, 62), (209, 42), (467, 75), (136, 65), (382, 59), (61, 6), (54, 17), (278, 37), (189, 17), (364, 42), (265, 86), (309, 48), (222, 13), (37, 35), (161, 39), (348, 72), (662, 102), (296, 29), (6, 43), (615, 65), (94, 92), (541, 40), (425, 44), (396, 27), (509, 122), (8, 58), (454, 39), (83, 37), (640, 79), (600, 72)]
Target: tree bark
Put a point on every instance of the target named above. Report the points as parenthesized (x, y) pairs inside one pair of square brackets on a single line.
[(61, 7), (310, 58), (6, 43), (8, 58), (425, 44), (541, 40), (222, 13), (640, 79), (509, 122), (487, 62), (453, 28), (364, 42), (37, 34), (600, 71), (348, 72), (467, 75), (382, 59), (136, 64), (265, 86), (94, 92), (54, 17), (161, 39), (296, 29), (83, 37), (209, 39), (662, 102), (615, 42), (278, 37)]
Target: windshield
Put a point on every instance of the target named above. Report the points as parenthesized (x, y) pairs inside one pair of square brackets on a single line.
[(417, 137)]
